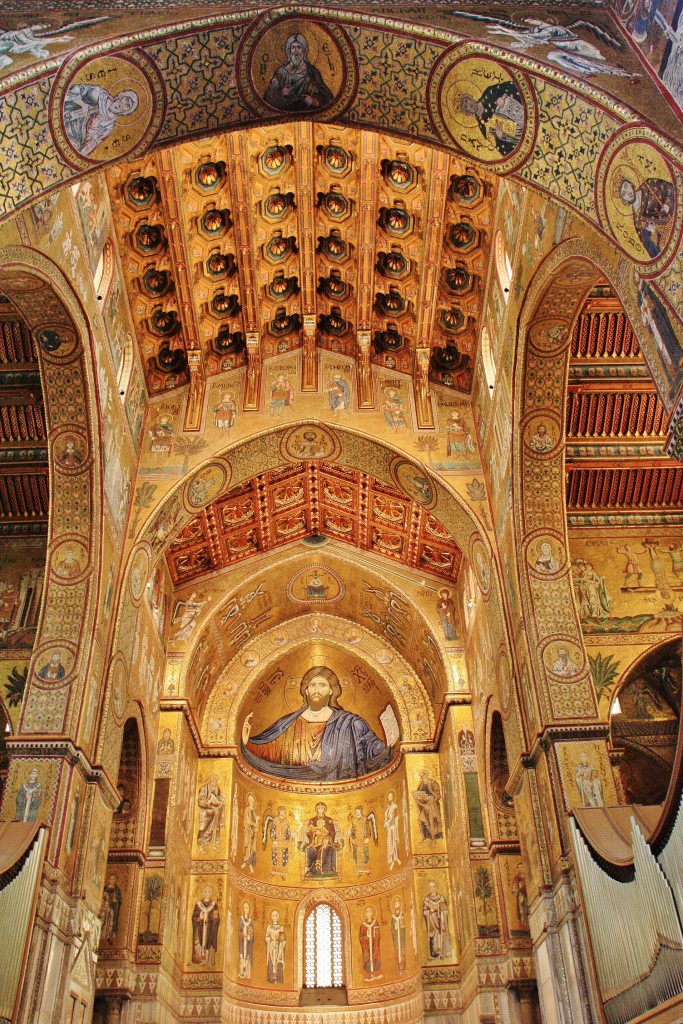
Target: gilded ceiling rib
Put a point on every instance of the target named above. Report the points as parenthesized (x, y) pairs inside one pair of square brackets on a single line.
[(432, 241), (179, 261), (306, 231), (369, 142), (241, 208)]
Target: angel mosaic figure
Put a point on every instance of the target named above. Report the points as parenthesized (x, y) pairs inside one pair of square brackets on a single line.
[(565, 48), (278, 830), (363, 827), (33, 39)]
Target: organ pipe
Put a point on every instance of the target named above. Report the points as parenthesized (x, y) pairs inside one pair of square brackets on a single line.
[(634, 929), (19, 883)]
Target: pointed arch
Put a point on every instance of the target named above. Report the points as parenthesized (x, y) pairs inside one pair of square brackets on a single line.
[(62, 337)]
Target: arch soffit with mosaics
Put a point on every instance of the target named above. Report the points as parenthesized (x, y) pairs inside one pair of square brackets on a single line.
[(62, 338), (540, 375), (292, 558), (444, 40), (235, 463), (234, 684)]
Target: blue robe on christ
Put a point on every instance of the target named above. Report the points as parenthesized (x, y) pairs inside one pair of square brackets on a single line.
[(349, 749)]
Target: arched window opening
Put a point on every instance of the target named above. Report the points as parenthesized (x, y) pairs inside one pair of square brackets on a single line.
[(503, 265), (505, 820), (645, 713), (126, 368), (487, 358), (323, 967)]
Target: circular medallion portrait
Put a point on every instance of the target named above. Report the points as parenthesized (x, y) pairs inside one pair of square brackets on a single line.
[(139, 572), (296, 66), (563, 658), (69, 560), (118, 690), (545, 556), (482, 568), (504, 682), (206, 485), (324, 718), (309, 442), (315, 584), (541, 435), (413, 481), (57, 342), (484, 109), (70, 450), (53, 665), (106, 108), (638, 199), (549, 335)]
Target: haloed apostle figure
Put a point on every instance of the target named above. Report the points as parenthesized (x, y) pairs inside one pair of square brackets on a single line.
[(297, 85), (319, 743)]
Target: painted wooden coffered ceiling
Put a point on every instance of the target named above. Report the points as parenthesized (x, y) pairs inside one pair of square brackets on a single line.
[(24, 485), (319, 499), (303, 236), (616, 422)]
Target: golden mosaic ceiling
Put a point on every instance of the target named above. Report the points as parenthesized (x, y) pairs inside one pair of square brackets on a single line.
[(299, 236)]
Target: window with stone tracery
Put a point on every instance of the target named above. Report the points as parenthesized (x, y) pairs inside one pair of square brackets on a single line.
[(323, 966)]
